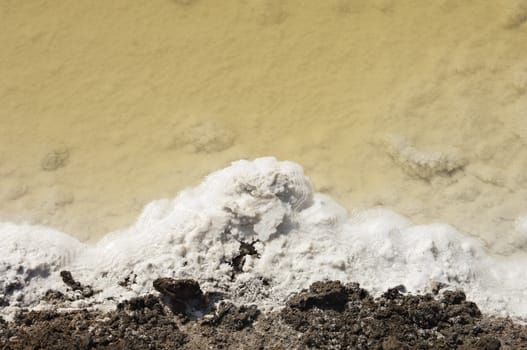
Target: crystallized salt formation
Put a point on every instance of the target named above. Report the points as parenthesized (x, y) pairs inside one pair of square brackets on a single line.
[(296, 237), (420, 164)]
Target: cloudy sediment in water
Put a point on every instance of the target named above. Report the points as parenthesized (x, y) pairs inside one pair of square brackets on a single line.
[(405, 113)]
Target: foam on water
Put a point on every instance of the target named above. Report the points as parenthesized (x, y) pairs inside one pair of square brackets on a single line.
[(301, 237)]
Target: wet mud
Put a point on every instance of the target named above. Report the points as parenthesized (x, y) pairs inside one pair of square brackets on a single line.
[(330, 315)]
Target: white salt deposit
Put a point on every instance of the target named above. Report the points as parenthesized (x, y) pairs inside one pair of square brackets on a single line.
[(300, 236)]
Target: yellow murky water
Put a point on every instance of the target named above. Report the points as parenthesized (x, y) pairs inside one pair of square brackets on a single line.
[(419, 106)]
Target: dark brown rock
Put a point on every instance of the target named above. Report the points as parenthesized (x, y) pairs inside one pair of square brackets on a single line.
[(68, 279), (323, 295), (182, 295), (181, 289), (239, 260)]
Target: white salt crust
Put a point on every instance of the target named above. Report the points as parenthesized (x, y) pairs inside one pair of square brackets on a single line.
[(300, 236)]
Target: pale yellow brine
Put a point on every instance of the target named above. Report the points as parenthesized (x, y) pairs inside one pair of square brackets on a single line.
[(418, 106)]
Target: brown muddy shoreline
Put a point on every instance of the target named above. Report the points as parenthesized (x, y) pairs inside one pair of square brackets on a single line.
[(330, 315)]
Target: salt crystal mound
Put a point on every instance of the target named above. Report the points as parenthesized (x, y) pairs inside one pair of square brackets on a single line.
[(30, 260), (300, 236)]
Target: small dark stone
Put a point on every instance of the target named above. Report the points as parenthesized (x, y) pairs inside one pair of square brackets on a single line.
[(323, 295), (67, 278), (183, 295), (180, 289), (239, 260)]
